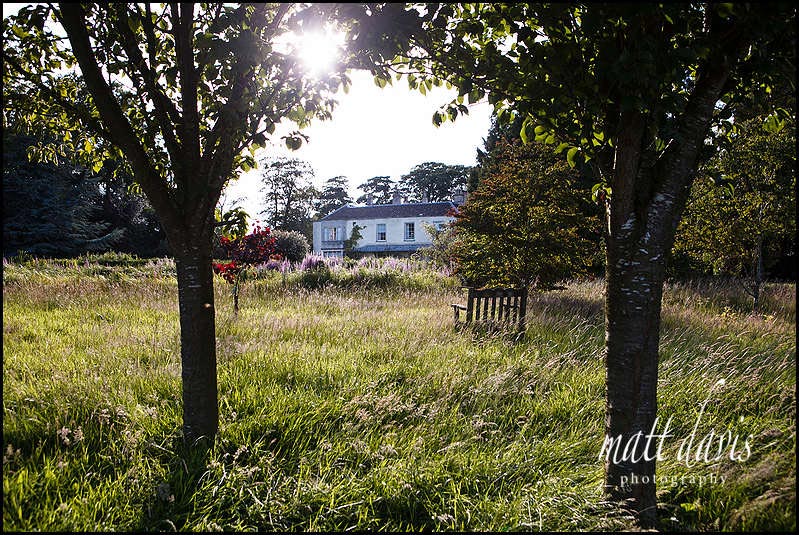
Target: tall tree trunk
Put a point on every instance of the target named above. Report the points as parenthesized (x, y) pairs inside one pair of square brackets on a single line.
[(758, 282), (197, 342), (632, 332), (647, 201)]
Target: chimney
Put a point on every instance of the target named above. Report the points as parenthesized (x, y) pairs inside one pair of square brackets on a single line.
[(397, 197), (458, 197), (425, 198), (369, 199)]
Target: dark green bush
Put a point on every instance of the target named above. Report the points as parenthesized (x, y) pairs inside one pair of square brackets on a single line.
[(291, 245), (316, 278)]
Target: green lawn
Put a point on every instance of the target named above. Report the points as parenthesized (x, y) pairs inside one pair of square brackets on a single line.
[(364, 409)]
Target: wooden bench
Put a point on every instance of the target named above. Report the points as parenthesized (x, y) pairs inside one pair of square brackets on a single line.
[(494, 307)]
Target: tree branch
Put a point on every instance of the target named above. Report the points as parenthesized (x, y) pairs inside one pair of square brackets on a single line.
[(122, 133), (159, 99), (77, 110), (673, 171), (184, 51), (218, 154)]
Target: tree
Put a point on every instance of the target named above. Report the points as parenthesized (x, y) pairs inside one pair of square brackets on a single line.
[(731, 227), (289, 193), (334, 195), (63, 209), (51, 209), (381, 189), (630, 92), (352, 242), (525, 224), (434, 181), (497, 131), (180, 92), (291, 245), (245, 252), (125, 208)]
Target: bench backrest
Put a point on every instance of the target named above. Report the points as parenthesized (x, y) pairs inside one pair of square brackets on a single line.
[(496, 305)]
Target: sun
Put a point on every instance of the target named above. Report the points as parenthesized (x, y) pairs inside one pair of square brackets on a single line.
[(319, 51)]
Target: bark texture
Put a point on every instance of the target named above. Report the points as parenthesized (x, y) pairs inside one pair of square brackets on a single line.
[(197, 344), (632, 334), (648, 198)]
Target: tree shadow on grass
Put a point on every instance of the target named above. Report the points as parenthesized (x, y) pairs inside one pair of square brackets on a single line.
[(172, 500), (568, 306)]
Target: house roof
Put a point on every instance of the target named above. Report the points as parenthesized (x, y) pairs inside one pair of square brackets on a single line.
[(386, 211)]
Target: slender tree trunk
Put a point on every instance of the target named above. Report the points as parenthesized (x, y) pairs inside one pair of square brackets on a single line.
[(632, 332), (758, 273), (197, 343), (236, 299)]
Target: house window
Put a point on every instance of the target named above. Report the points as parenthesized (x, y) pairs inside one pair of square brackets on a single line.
[(439, 225), (331, 254), (381, 232), (331, 234), (410, 231)]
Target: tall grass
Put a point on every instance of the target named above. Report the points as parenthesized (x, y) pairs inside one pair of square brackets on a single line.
[(358, 406)]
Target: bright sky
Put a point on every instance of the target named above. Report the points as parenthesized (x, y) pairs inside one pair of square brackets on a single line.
[(385, 131), (373, 132)]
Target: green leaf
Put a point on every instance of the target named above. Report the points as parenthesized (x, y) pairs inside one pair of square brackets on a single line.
[(570, 156), (19, 32), (600, 192), (724, 10), (293, 143), (773, 124), (523, 133), (560, 148)]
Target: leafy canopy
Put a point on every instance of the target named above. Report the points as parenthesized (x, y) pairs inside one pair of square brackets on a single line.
[(334, 195), (568, 71), (379, 187), (526, 222), (289, 194), (183, 91), (745, 198), (434, 181)]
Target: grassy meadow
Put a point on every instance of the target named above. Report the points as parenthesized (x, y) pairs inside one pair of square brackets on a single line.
[(358, 406)]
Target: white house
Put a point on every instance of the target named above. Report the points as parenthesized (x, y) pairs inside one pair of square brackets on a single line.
[(386, 229)]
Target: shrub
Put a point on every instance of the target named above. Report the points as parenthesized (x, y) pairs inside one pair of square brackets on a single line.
[(291, 245), (441, 253), (315, 278)]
